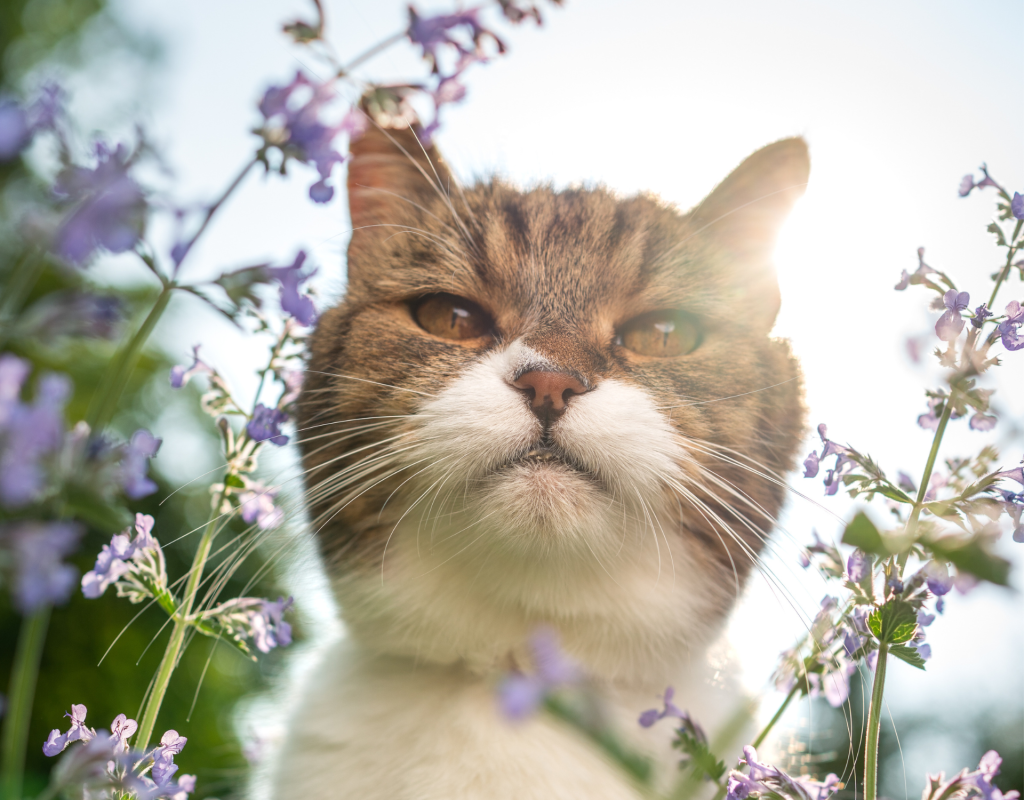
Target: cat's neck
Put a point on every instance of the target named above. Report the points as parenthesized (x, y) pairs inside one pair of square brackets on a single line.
[(631, 620)]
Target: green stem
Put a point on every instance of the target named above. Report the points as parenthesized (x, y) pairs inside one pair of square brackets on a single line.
[(778, 715), (1009, 259), (181, 625), (104, 402), (930, 465), (26, 275), (31, 639), (874, 726)]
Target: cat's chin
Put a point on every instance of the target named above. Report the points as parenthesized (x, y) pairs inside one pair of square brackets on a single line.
[(545, 499)]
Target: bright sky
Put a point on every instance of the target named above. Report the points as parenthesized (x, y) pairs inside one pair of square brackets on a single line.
[(897, 100)]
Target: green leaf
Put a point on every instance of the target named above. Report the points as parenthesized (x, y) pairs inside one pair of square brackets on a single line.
[(700, 754), (970, 556), (234, 482), (890, 491), (908, 654), (1000, 238), (894, 623), (862, 533)]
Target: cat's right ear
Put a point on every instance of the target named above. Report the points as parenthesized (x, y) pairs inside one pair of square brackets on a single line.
[(390, 175)]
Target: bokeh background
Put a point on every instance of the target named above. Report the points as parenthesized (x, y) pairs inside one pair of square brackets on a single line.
[(897, 101)]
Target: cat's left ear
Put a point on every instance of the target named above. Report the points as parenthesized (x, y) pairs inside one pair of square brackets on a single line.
[(741, 219), (390, 174)]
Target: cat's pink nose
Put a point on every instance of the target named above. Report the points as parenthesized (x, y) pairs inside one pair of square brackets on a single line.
[(549, 390)]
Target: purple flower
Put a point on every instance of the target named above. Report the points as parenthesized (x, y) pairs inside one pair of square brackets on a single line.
[(56, 741), (122, 729), (894, 584), (109, 207), (951, 323), (267, 626), (981, 313), (669, 709), (905, 482), (293, 302), (918, 276), (297, 130), (519, 695), (431, 33), (844, 463), (112, 562), (968, 184), (858, 566), (811, 464), (142, 447), (981, 779), (40, 575), (1013, 505), (768, 780), (982, 422), (1017, 205), (180, 374), (265, 425), (257, 505), (930, 421), (1008, 328), (937, 577), (1016, 474)]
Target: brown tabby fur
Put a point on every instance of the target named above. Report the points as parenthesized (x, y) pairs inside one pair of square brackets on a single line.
[(562, 269)]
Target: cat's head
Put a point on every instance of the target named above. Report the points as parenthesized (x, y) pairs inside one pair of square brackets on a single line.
[(538, 396)]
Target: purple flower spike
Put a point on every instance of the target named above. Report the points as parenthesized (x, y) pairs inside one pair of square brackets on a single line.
[(110, 207), (134, 463), (951, 323), (293, 302), (122, 729), (180, 374), (267, 625), (1017, 205), (265, 425)]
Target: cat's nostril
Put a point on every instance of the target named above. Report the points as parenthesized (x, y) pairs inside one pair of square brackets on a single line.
[(549, 389)]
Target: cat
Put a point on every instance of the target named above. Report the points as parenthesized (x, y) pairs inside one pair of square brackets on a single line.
[(535, 409)]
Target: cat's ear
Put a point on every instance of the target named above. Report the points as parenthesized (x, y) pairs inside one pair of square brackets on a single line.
[(390, 173), (743, 215)]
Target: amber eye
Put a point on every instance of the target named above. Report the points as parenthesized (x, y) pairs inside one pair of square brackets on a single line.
[(452, 317), (661, 334)]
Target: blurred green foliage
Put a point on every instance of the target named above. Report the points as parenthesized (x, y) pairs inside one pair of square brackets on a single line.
[(33, 34)]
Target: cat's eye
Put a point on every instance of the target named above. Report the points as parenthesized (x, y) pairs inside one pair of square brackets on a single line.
[(452, 317), (661, 334)]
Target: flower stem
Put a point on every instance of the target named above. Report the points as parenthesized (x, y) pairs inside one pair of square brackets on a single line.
[(368, 54), (104, 402), (1005, 272), (212, 209), (778, 715), (27, 655), (181, 625), (874, 726)]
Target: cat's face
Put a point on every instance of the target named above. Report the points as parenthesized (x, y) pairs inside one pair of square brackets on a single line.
[(531, 383)]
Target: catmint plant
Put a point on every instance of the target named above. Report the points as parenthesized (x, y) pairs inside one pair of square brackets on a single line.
[(58, 479)]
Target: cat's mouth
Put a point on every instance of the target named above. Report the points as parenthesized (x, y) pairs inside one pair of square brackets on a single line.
[(544, 455)]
